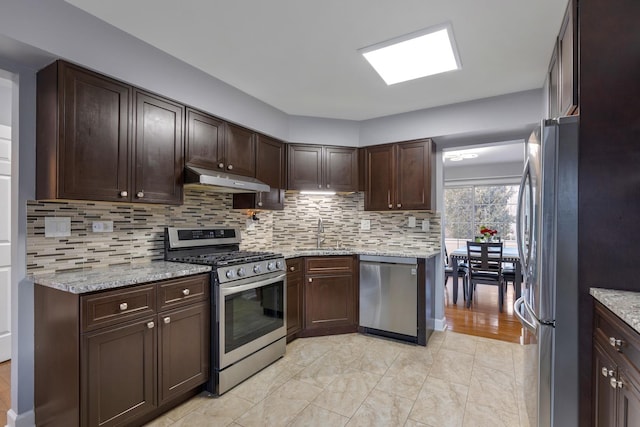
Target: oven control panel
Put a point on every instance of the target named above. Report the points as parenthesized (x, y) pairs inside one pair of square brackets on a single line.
[(251, 269)]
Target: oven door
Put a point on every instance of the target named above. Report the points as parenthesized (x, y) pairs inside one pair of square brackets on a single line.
[(251, 316)]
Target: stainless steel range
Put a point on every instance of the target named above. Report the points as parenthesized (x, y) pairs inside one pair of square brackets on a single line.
[(248, 329)]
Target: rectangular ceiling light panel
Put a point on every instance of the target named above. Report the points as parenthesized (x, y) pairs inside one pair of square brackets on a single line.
[(423, 53)]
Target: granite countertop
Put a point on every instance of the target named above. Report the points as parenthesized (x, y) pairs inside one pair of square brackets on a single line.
[(103, 278), (624, 304), (397, 252)]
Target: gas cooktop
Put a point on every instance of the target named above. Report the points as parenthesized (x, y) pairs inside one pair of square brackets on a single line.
[(224, 259)]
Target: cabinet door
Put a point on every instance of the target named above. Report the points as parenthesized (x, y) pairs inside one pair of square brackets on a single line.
[(341, 168), (304, 166), (329, 301), (240, 151), (184, 348), (628, 401), (379, 178), (414, 175), (159, 157), (118, 373), (295, 301), (568, 82), (270, 170), (94, 136), (604, 396), (554, 90), (205, 141)]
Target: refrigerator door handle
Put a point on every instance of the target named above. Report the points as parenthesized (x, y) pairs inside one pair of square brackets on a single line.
[(517, 311), (524, 258)]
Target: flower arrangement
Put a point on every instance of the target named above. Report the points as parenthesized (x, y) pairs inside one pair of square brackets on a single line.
[(488, 233)]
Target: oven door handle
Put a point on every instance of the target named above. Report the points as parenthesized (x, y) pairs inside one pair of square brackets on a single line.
[(241, 288)]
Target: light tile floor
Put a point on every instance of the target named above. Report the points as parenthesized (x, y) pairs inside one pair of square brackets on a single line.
[(358, 380)]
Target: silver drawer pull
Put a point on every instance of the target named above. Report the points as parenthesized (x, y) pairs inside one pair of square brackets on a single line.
[(607, 372), (124, 306), (614, 383), (124, 194), (150, 325), (167, 320), (615, 342), (186, 292)]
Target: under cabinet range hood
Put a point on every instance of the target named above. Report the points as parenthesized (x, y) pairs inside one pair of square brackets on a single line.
[(222, 182)]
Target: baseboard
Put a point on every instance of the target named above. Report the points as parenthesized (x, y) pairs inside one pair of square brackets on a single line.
[(440, 324), (26, 419)]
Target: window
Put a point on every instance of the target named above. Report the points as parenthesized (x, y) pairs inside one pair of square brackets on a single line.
[(467, 208)]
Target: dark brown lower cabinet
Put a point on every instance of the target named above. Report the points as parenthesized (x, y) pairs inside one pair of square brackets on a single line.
[(119, 366), (295, 301), (330, 295), (183, 350), (112, 358), (616, 371)]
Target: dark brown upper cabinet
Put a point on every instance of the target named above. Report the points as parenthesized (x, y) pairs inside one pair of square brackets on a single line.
[(95, 142), (270, 158), (562, 78), (568, 61), (398, 176), (317, 167), (158, 149), (216, 145)]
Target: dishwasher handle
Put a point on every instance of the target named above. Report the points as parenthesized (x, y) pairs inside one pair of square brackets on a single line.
[(388, 259)]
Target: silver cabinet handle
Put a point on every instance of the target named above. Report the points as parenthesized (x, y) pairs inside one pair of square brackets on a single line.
[(230, 167), (399, 205), (221, 165), (150, 325), (124, 194), (260, 204), (615, 342), (124, 306), (186, 292), (167, 320), (615, 383), (140, 194), (310, 280), (319, 185), (606, 372), (292, 269), (390, 206), (328, 185)]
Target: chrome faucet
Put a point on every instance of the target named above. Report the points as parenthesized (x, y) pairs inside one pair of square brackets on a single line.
[(319, 232)]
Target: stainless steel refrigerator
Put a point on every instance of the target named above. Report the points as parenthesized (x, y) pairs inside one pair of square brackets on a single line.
[(547, 233)]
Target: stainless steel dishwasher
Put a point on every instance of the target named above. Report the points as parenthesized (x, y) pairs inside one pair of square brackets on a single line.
[(389, 296)]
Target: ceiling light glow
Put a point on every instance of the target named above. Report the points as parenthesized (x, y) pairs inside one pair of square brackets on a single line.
[(423, 53)]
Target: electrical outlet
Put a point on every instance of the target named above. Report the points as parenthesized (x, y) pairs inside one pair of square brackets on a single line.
[(102, 226), (57, 226), (425, 225), (250, 224), (412, 221), (365, 224)]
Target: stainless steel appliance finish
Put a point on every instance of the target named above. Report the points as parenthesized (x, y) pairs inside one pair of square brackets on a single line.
[(547, 230), (389, 295), (248, 301), (223, 182)]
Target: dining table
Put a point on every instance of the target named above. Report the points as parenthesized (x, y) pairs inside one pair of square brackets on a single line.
[(508, 255)]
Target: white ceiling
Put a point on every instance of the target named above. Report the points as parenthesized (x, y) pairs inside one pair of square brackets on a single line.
[(301, 57)]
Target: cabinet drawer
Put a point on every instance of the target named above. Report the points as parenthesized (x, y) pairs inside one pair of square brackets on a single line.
[(175, 293), (110, 307), (608, 328), (332, 264), (295, 265)]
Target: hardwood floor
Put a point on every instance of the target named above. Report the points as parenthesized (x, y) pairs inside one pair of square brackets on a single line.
[(483, 318), (5, 391)]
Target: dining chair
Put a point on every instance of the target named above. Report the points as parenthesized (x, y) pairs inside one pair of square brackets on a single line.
[(485, 268), (463, 270)]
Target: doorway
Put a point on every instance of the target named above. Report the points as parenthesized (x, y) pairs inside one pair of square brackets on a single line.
[(5, 219), (480, 190)]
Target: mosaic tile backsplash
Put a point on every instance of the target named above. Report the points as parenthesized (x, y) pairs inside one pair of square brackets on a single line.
[(138, 229)]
